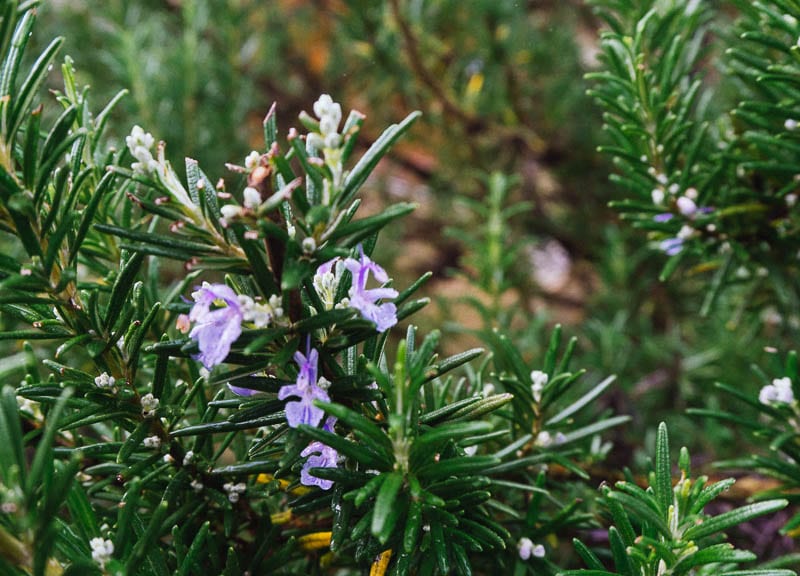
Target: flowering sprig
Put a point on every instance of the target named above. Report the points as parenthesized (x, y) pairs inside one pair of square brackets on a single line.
[(329, 141), (140, 144)]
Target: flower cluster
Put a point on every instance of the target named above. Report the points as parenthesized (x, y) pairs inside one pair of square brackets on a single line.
[(544, 439), (539, 381), (234, 491), (672, 246), (361, 298), (309, 386), (102, 550), (684, 206), (149, 405), (779, 392), (106, 382), (251, 200), (329, 141), (326, 283), (330, 116), (216, 329), (140, 144), (528, 549)]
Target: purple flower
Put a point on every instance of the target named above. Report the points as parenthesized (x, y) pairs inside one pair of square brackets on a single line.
[(215, 330), (663, 217), (671, 246), (319, 456), (365, 301), (307, 388), (239, 391)]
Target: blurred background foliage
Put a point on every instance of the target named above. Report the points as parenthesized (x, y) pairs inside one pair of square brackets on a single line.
[(513, 216)]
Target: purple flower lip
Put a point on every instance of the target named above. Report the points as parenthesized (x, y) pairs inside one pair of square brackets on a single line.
[(215, 330), (305, 388), (319, 456), (365, 300), (663, 217)]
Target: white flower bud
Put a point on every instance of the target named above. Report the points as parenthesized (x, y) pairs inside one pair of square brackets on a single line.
[(252, 198), (685, 232), (252, 160), (230, 211), (309, 245), (657, 195), (152, 442)]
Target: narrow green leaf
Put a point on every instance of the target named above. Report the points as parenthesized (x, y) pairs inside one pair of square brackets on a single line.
[(733, 518), (361, 454), (663, 486), (193, 556), (366, 164), (12, 459), (44, 450), (89, 212), (589, 558), (581, 402), (385, 507), (361, 423), (122, 287), (552, 350), (595, 428), (169, 242)]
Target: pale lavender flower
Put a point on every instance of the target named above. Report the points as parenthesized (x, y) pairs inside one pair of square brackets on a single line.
[(215, 330), (528, 549), (671, 246), (779, 392), (686, 206), (674, 245), (239, 391), (319, 456), (663, 217), (308, 388), (365, 300)]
